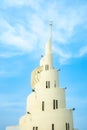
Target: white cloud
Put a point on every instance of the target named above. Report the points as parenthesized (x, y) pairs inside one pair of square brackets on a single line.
[(67, 23), (5, 26), (9, 54), (37, 26), (17, 36), (21, 3), (10, 73), (64, 56), (83, 51), (66, 20), (11, 103), (27, 40), (15, 2), (79, 102)]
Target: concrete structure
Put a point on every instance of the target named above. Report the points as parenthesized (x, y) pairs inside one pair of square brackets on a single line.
[(13, 128), (46, 105)]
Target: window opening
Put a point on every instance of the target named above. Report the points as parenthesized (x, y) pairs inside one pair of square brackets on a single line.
[(46, 67), (35, 128), (67, 126), (42, 105), (52, 126), (47, 84), (28, 112), (54, 83), (55, 104)]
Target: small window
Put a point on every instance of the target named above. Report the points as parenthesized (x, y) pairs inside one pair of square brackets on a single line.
[(28, 112), (35, 128), (42, 105), (47, 84), (54, 83), (67, 126), (52, 126), (33, 90), (55, 104), (46, 67)]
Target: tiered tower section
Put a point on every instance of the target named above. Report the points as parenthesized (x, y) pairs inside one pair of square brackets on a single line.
[(46, 105)]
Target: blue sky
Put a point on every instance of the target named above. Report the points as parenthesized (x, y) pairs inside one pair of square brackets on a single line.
[(24, 31)]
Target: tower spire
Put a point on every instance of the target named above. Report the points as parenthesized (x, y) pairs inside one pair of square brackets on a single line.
[(51, 31), (49, 43), (48, 53)]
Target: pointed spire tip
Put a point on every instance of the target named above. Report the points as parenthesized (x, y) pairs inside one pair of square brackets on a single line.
[(51, 30)]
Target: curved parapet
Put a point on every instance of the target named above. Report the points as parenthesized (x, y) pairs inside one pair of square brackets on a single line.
[(35, 76)]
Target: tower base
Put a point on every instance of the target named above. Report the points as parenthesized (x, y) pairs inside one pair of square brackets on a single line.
[(12, 128)]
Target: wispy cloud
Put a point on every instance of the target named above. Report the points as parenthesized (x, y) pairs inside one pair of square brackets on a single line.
[(24, 30), (8, 73), (9, 54), (83, 51), (77, 101), (62, 54), (22, 3), (10, 101), (31, 36), (17, 36)]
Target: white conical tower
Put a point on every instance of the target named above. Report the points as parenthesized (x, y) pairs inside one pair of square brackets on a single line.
[(47, 59), (46, 105)]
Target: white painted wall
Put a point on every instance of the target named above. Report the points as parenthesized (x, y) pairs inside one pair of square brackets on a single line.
[(36, 118)]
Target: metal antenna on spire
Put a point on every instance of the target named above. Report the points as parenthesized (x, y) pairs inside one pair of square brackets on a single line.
[(51, 30)]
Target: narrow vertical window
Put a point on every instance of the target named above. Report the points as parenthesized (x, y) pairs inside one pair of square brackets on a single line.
[(52, 126), (54, 83), (46, 67), (36, 128), (47, 84), (55, 104), (42, 105), (67, 126), (33, 128)]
